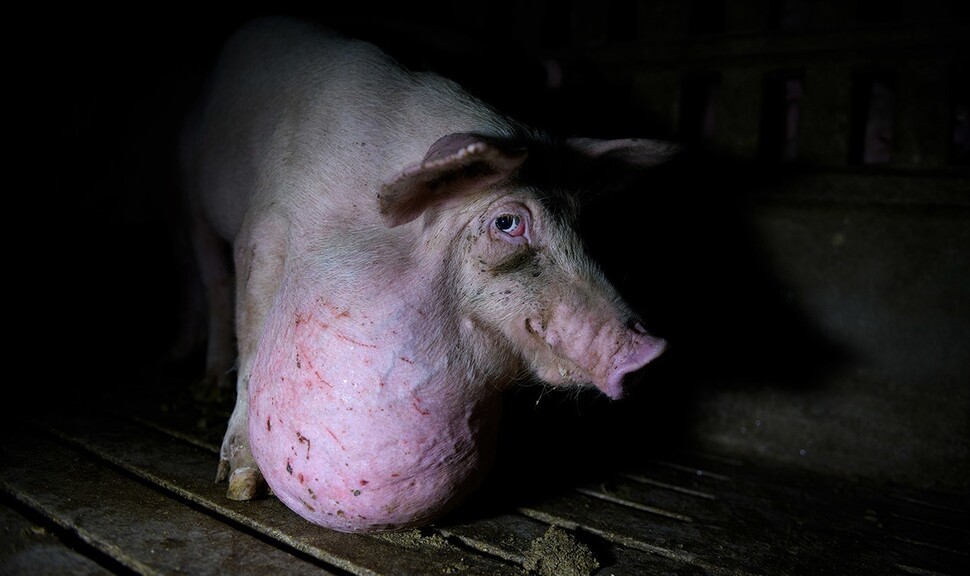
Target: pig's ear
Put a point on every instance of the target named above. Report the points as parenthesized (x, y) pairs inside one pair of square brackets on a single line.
[(454, 165), (637, 152)]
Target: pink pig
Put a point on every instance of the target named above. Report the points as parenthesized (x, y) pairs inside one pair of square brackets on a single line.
[(403, 254)]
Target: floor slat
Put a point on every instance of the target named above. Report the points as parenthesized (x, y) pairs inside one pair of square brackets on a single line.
[(28, 549), (187, 470), (125, 485), (162, 535)]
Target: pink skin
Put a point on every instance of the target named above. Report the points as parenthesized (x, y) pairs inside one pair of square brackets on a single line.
[(368, 442), (398, 264), (366, 415)]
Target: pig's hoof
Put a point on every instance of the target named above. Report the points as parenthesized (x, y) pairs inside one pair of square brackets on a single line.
[(245, 484), (245, 480)]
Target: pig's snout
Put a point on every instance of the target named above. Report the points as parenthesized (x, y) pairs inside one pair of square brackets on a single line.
[(602, 357), (643, 349)]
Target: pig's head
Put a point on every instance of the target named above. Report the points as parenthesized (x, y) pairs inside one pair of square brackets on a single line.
[(528, 295)]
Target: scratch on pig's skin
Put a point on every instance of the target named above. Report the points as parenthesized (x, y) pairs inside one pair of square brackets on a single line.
[(304, 440), (336, 439), (301, 350), (305, 317), (406, 359), (417, 405), (335, 310), (357, 342), (289, 468), (420, 410)]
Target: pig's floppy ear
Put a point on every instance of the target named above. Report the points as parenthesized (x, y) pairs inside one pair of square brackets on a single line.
[(637, 152), (455, 164)]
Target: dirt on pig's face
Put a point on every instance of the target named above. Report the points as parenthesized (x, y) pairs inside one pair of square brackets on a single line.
[(525, 279), (376, 405)]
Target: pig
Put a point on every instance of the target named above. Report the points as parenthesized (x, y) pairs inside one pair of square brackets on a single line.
[(402, 253)]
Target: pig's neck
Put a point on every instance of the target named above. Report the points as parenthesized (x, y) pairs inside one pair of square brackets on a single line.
[(396, 330)]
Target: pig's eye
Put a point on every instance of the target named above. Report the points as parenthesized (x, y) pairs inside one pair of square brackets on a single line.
[(511, 224)]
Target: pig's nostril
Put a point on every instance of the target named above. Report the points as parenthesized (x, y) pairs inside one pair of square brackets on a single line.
[(634, 377)]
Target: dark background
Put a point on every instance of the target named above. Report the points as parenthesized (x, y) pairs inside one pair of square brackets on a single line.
[(729, 251)]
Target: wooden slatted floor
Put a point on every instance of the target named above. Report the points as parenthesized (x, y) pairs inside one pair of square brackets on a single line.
[(126, 487)]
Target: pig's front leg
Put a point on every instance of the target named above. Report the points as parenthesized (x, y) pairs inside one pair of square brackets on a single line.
[(259, 253)]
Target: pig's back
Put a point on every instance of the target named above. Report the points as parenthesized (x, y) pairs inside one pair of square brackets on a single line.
[(302, 116)]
